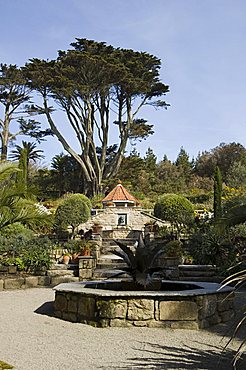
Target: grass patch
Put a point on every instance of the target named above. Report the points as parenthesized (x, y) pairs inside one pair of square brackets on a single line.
[(4, 365)]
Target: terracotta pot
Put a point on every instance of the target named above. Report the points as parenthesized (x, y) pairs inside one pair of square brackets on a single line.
[(66, 260), (188, 261), (86, 252)]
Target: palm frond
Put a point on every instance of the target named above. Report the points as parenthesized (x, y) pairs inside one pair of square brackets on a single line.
[(6, 170)]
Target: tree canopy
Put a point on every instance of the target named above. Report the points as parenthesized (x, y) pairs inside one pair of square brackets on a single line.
[(174, 208), (73, 211), (223, 155), (16, 108), (97, 86)]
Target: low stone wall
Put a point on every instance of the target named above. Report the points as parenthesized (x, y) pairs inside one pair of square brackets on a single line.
[(8, 283), (24, 282), (187, 309)]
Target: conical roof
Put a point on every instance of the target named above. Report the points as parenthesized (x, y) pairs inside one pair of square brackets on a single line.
[(120, 194)]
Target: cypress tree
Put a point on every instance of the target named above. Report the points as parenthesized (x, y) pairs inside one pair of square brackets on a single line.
[(217, 193)]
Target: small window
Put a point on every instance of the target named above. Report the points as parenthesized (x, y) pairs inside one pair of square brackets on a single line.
[(122, 219)]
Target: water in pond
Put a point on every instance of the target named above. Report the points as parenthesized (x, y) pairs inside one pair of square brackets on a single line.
[(132, 286)]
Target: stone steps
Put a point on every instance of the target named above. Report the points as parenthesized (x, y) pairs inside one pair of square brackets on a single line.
[(110, 261), (59, 266), (108, 265), (99, 274), (62, 270), (53, 273), (56, 280), (212, 279), (195, 271), (109, 244)]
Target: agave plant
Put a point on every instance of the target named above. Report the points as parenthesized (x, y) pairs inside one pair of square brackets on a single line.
[(141, 263)]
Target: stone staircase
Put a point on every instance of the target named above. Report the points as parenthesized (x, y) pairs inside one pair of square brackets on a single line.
[(108, 244), (199, 273), (108, 266), (61, 273)]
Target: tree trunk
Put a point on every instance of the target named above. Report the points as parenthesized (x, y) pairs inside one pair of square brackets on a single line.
[(113, 169), (5, 138)]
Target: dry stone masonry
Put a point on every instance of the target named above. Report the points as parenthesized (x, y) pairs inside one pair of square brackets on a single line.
[(92, 304)]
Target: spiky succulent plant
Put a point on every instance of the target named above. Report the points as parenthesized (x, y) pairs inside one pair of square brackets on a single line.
[(140, 263)]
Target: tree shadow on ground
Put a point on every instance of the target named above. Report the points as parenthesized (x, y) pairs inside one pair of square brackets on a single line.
[(46, 309), (189, 357)]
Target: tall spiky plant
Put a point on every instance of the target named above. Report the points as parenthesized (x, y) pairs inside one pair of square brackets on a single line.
[(238, 279), (141, 263)]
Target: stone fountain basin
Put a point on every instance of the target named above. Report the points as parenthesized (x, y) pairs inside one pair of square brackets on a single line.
[(170, 304)]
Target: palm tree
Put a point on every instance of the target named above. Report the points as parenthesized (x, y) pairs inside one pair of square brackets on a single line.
[(14, 207), (31, 152), (24, 155)]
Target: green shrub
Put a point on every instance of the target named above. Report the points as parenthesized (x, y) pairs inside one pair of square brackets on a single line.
[(96, 201), (200, 198), (217, 193), (79, 197), (212, 247), (233, 202), (237, 235), (12, 246), (16, 261), (72, 212), (174, 248), (17, 229), (176, 209), (36, 254), (26, 254)]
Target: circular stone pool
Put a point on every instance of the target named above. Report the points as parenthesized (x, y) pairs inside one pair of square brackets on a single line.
[(169, 304)]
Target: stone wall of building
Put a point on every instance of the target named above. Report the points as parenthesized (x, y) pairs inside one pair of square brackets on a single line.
[(108, 218)]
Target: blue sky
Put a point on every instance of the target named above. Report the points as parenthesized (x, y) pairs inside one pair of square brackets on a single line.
[(201, 44)]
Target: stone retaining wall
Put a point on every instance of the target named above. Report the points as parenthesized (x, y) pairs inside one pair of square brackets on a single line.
[(8, 283), (164, 311)]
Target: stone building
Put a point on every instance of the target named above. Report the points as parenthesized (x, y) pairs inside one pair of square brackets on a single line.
[(121, 216)]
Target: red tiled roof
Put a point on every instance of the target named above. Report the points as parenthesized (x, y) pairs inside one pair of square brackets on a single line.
[(119, 193)]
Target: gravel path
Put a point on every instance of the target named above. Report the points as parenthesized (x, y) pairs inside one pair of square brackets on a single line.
[(32, 340)]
